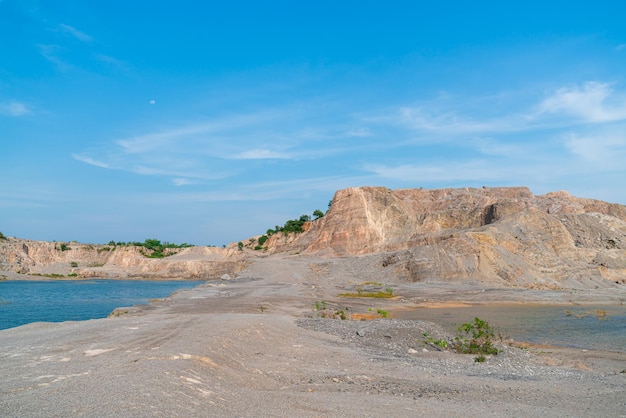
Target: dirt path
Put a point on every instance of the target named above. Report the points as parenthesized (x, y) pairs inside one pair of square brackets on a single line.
[(255, 346)]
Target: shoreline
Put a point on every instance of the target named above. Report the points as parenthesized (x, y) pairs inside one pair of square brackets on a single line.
[(256, 346)]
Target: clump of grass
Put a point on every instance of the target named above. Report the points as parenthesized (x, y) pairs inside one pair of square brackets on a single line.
[(49, 275), (331, 313), (382, 313), (598, 313), (360, 293), (438, 343)]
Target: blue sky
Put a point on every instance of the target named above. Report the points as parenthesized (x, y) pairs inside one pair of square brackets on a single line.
[(209, 122)]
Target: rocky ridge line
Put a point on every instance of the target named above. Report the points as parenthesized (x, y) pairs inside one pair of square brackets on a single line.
[(499, 236)]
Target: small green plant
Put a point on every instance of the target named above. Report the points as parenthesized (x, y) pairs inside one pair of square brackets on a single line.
[(240, 246), (438, 343), (332, 313), (382, 313), (320, 306), (3, 237), (64, 247), (476, 338), (73, 264), (72, 275), (480, 359)]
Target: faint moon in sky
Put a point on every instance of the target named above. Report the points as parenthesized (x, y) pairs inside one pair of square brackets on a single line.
[(152, 101)]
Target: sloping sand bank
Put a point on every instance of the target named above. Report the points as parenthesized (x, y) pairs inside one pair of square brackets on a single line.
[(256, 346)]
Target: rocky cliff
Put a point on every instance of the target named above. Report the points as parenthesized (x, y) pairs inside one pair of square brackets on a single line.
[(87, 260), (501, 235)]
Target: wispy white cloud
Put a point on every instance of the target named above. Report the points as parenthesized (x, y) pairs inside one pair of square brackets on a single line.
[(605, 149), (91, 161), (589, 102), (178, 181), (72, 31), (14, 109), (361, 132), (224, 146), (51, 53), (494, 147), (620, 47), (111, 61), (442, 172), (259, 154), (446, 120)]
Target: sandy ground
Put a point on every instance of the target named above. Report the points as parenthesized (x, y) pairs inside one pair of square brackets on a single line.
[(256, 346)]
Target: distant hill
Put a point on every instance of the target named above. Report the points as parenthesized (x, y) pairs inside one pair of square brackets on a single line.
[(499, 236)]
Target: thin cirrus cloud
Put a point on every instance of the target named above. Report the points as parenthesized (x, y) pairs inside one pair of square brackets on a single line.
[(444, 171), (593, 102), (52, 52), (605, 149), (581, 124), (75, 33), (260, 154), (203, 149), (91, 161), (14, 109)]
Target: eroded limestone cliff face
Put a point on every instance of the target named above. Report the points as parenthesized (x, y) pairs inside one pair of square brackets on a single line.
[(501, 235), (87, 260)]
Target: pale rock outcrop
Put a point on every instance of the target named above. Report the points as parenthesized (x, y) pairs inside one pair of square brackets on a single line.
[(88, 260), (503, 235)]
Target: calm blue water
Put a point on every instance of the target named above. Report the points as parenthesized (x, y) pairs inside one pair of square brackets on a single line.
[(540, 324), (25, 301)]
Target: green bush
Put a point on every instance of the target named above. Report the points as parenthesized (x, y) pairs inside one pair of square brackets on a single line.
[(2, 236), (154, 246), (476, 338)]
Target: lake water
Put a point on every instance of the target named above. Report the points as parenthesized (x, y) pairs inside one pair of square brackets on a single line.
[(583, 327), (26, 301)]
